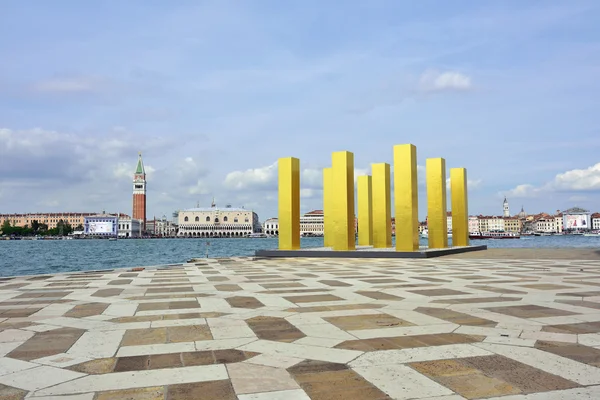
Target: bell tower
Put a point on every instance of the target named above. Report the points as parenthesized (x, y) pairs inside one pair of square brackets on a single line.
[(139, 192), (506, 209)]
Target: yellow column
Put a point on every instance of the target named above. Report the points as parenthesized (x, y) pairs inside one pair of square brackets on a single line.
[(437, 224), (365, 211), (327, 207), (289, 203), (406, 197), (460, 207), (343, 201), (382, 207)]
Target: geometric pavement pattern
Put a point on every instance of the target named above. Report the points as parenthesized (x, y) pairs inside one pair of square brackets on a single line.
[(265, 329)]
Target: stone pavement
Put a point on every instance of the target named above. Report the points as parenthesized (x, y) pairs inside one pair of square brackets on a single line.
[(293, 329)]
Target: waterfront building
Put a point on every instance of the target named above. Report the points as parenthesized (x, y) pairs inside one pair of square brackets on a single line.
[(139, 192), (101, 225), (473, 224), (576, 219), (271, 226), (512, 224), (130, 228), (312, 223), (595, 221), (217, 222), (505, 208), (161, 227), (50, 219)]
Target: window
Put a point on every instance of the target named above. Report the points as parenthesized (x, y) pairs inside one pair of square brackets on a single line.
[(197, 219), (207, 219), (224, 219), (186, 219), (235, 219), (216, 219), (246, 220)]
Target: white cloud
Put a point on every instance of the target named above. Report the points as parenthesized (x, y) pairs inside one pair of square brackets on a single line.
[(307, 193), (432, 81), (575, 180), (254, 178), (579, 179)]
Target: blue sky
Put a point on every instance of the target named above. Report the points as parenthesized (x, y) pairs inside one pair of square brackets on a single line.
[(214, 92)]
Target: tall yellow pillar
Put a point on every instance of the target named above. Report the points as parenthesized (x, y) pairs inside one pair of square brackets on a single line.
[(460, 207), (289, 203), (343, 201), (406, 201), (382, 207), (437, 224), (365, 211), (327, 207)]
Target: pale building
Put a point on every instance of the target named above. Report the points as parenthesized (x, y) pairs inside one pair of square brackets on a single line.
[(473, 224), (595, 221), (50, 219), (483, 223), (512, 224), (218, 222), (161, 227), (496, 224), (505, 208), (577, 219), (130, 227), (101, 225), (449, 220), (558, 222), (271, 226), (312, 223)]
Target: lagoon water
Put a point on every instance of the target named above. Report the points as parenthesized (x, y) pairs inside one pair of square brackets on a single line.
[(28, 257)]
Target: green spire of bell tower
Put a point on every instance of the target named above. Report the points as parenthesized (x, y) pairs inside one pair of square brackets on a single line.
[(140, 166)]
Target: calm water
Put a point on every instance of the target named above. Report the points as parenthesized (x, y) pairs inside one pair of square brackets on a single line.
[(25, 257)]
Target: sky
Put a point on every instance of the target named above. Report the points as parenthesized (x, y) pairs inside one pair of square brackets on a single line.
[(214, 92)]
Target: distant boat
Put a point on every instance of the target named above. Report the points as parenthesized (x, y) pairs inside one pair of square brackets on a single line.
[(112, 239), (494, 235), (592, 234), (256, 235)]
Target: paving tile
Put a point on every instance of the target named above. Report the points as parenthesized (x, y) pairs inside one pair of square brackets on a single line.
[(149, 393), (202, 390), (437, 292), (520, 376), (297, 394), (272, 328), (38, 377), (178, 334), (253, 378), (86, 310), (379, 295), (11, 393), (476, 300), (95, 367), (576, 352), (372, 321), (137, 337), (244, 302), (44, 344), (577, 328), (455, 317), (312, 298), (530, 311)]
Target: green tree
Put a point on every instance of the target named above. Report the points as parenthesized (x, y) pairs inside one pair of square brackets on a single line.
[(6, 228), (35, 226)]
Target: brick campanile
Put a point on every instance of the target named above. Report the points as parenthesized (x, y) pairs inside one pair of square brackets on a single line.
[(139, 192)]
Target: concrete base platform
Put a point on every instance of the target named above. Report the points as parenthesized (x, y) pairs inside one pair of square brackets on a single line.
[(367, 252)]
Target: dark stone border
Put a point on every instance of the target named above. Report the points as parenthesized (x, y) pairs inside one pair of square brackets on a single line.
[(367, 254)]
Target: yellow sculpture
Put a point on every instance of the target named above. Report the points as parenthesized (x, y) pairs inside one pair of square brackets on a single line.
[(327, 207), (289, 203), (382, 206), (460, 207), (437, 224), (365, 211), (406, 201), (344, 235)]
